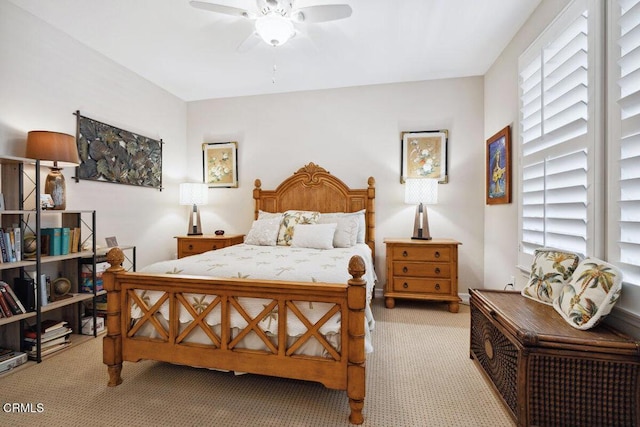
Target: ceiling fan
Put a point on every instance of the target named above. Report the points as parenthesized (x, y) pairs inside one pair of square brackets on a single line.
[(275, 19)]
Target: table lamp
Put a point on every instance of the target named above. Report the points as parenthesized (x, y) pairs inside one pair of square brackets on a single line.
[(56, 150), (421, 191), (194, 194)]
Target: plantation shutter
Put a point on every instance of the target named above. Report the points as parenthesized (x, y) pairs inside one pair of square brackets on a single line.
[(627, 146), (557, 138)]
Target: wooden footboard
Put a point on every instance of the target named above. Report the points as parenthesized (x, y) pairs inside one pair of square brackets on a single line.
[(341, 367)]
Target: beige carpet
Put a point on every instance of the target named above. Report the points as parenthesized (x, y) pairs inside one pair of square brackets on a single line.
[(432, 384)]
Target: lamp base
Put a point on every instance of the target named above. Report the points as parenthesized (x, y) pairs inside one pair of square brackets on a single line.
[(195, 226), (421, 228), (55, 186)]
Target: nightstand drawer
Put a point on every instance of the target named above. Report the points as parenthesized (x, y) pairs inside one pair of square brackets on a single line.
[(421, 253), (198, 246), (421, 269), (412, 284)]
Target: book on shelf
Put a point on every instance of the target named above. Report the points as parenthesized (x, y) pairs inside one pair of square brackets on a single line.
[(12, 300), (75, 239), (32, 347), (8, 242), (48, 326), (17, 243), (43, 352), (4, 306), (30, 334), (24, 288), (55, 239), (13, 295)]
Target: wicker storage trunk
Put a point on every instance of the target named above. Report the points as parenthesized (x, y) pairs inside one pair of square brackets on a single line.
[(548, 373)]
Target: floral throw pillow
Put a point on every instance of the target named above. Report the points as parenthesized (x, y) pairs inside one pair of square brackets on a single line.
[(590, 295), (550, 271), (289, 221)]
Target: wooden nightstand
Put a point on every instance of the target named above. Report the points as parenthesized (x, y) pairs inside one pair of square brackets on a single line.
[(422, 269), (193, 245)]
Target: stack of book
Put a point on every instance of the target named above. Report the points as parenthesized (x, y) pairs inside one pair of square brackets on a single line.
[(9, 359), (54, 337)]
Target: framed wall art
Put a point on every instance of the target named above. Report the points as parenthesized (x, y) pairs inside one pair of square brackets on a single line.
[(111, 154), (498, 167), (424, 155), (220, 164)]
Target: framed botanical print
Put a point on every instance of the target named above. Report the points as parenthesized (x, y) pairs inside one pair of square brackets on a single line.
[(424, 155), (498, 167), (220, 164)]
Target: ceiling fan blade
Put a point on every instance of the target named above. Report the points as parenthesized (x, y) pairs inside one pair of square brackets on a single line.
[(218, 8), (249, 43), (321, 13)]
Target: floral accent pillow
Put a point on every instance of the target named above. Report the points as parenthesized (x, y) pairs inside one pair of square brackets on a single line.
[(594, 289), (289, 221), (264, 232), (550, 271)]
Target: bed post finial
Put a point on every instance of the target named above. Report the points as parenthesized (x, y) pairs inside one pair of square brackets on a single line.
[(112, 342), (356, 301)]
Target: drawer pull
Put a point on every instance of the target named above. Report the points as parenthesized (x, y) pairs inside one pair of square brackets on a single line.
[(405, 285), (437, 270), (215, 247), (405, 254), (405, 269), (437, 254), (190, 247), (437, 286)]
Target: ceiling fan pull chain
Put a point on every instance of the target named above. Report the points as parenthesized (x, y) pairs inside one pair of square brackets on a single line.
[(273, 77)]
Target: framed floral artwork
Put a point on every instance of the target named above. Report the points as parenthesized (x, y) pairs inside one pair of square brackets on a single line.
[(424, 155), (220, 164), (498, 167)]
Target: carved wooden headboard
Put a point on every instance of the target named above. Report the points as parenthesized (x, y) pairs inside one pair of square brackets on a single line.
[(313, 188)]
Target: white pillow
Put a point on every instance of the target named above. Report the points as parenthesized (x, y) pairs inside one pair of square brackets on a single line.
[(346, 230), (359, 215), (315, 236), (264, 232), (269, 215)]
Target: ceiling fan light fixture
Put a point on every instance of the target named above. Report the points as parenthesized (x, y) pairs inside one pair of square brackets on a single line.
[(274, 30)]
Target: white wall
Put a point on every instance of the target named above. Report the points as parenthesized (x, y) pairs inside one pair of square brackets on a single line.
[(44, 77), (354, 133)]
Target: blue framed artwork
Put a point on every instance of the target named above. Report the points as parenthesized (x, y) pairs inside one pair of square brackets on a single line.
[(498, 167)]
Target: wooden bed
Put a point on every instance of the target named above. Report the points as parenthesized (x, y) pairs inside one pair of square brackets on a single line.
[(310, 188)]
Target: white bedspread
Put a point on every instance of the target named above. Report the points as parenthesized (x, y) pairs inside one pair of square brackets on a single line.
[(282, 263)]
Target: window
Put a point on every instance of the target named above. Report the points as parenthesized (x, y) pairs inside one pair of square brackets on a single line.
[(624, 137), (559, 148)]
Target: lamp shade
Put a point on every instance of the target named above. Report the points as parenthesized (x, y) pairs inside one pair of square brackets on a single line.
[(192, 193), (53, 149), (274, 30), (421, 190)]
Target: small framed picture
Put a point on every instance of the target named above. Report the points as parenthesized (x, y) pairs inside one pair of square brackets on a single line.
[(112, 242), (46, 202), (498, 168), (424, 155), (220, 164)]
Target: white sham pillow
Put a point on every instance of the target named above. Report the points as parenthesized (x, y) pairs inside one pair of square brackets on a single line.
[(314, 236), (346, 229), (269, 215), (264, 232), (359, 216)]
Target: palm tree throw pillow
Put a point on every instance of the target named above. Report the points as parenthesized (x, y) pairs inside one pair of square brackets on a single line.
[(550, 271), (591, 294)]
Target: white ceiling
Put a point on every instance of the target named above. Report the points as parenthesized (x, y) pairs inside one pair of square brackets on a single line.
[(193, 53)]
